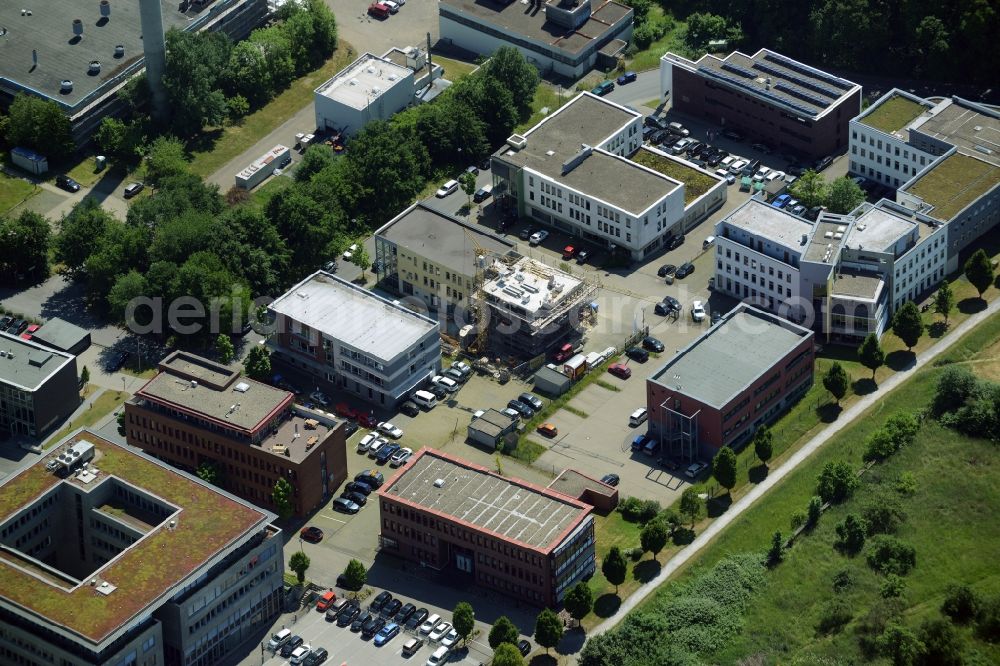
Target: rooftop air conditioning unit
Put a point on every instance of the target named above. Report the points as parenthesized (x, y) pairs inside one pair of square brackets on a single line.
[(439, 483)]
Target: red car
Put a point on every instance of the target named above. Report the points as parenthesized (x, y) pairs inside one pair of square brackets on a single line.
[(29, 332), (568, 252), (367, 420), (311, 534), (619, 370), (565, 352), (345, 410)]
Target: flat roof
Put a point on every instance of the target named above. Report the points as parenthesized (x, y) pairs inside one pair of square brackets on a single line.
[(575, 484), (27, 364), (519, 19), (363, 81), (974, 129), (60, 334), (879, 229), (152, 569), (854, 284), (782, 80), (696, 181), (492, 422), (775, 224), (49, 32), (511, 509), (353, 315), (893, 112), (192, 384), (530, 288), (716, 367), (826, 240), (953, 183), (442, 238)]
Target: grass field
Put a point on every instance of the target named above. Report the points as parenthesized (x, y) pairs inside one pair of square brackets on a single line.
[(949, 523), (454, 70), (105, 403), (14, 191)]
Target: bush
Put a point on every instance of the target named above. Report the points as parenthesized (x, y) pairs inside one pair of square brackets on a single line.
[(834, 615), (889, 555), (954, 387), (941, 644), (906, 484), (988, 621), (798, 519), (893, 586), (960, 604), (883, 513), (837, 482), (851, 533), (900, 645), (630, 508), (842, 580), (648, 511)]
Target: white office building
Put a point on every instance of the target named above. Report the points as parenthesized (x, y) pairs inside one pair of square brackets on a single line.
[(370, 88)]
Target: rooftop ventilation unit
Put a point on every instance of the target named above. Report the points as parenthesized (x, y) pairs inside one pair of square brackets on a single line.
[(78, 27), (95, 67), (194, 383), (105, 8), (517, 142), (242, 387), (120, 51), (439, 483)]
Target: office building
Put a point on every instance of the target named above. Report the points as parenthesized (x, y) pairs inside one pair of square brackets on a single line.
[(430, 256), (567, 38), (713, 393), (778, 101), (478, 527), (582, 170), (196, 413), (355, 340), (39, 386), (82, 55), (124, 560)]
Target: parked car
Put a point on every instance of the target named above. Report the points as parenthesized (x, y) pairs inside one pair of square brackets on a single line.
[(649, 448), (391, 607), (603, 88), (724, 173), (653, 121), (360, 620), (548, 430), (686, 269), (372, 477), (299, 655), (698, 311), (568, 252), (290, 645), (412, 646), (822, 163), (316, 657), (531, 399), (736, 167), (429, 624), (133, 189), (524, 410), (652, 344), (627, 77), (366, 442), (372, 627), (404, 614), (620, 370), (524, 647), (582, 256), (345, 410), (375, 447), (462, 368), (667, 305), (358, 487), (320, 397), (446, 189), (348, 615), (666, 269), (512, 413), (453, 374), (637, 354), (472, 170), (483, 193), (345, 506), (798, 209), (358, 498), (67, 183), (681, 146), (538, 237), (388, 428), (439, 631), (610, 479), (781, 200), (385, 453), (525, 233), (386, 634), (675, 242), (447, 383), (732, 135), (417, 618), (325, 600), (695, 469), (400, 458), (450, 638), (761, 147), (381, 599), (311, 534), (409, 408)]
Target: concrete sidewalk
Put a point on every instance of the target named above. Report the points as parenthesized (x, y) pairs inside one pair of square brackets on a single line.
[(776, 475)]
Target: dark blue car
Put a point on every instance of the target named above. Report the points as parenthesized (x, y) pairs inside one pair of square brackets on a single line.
[(627, 77)]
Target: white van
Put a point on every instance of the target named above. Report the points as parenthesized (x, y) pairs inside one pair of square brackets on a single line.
[(425, 399), (279, 639), (708, 242), (439, 657), (638, 417)]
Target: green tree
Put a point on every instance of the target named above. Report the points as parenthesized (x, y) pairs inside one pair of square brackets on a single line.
[(503, 631), (579, 601), (653, 537), (988, 620), (614, 567), (208, 472), (468, 183), (224, 348), (979, 271), (907, 324), (85, 375), (892, 587), (810, 189), (39, 124), (944, 301), (316, 158), (122, 141), (508, 66), (777, 551), (942, 646), (836, 381), (80, 233), (196, 61), (961, 604), (282, 497), (463, 618), (258, 364), (870, 354), (355, 575), (548, 629), (24, 246), (763, 443), (299, 563), (361, 259), (852, 533), (127, 287), (815, 511), (507, 655), (844, 195), (900, 645), (724, 468), (704, 27), (165, 160), (260, 66), (836, 482), (691, 505)]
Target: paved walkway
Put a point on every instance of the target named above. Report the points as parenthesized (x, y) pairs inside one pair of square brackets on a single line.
[(776, 475)]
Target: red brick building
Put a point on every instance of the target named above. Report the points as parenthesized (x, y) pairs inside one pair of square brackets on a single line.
[(743, 372), (453, 516), (196, 411), (775, 100)]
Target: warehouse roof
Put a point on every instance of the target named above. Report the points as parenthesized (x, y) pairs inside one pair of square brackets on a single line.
[(26, 364), (363, 81), (468, 493), (716, 367), (61, 334)]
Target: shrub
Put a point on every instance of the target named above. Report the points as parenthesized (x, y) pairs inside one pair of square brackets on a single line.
[(942, 646), (815, 510), (889, 555), (837, 482), (988, 621), (953, 389), (900, 645), (906, 484), (842, 580), (648, 510), (798, 519), (629, 508), (883, 513), (893, 586), (960, 604), (851, 533), (835, 614)]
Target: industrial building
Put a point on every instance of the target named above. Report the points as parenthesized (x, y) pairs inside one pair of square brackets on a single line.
[(60, 334), (568, 38), (354, 340), (582, 170), (83, 52), (196, 412), (491, 429), (430, 256), (477, 527), (39, 386), (120, 559), (776, 100), (713, 393)]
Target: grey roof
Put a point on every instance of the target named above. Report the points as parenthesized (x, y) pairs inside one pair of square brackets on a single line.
[(355, 316), (879, 229), (716, 367), (774, 224), (966, 125), (441, 239), (536, 517), (31, 364), (223, 396), (61, 334), (854, 284), (575, 484), (492, 423), (49, 31), (517, 19), (807, 90), (830, 232)]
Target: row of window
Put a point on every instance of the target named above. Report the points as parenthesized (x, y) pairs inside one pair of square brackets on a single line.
[(13, 526)]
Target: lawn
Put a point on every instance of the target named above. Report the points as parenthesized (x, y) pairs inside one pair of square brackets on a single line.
[(893, 114), (546, 101), (454, 70), (215, 147), (85, 171), (14, 191), (105, 403), (948, 522)]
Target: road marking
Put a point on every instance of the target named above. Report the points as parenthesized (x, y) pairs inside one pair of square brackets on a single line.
[(337, 520)]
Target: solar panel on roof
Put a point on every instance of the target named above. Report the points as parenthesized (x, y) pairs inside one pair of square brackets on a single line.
[(809, 71), (742, 71), (801, 94), (805, 83)]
